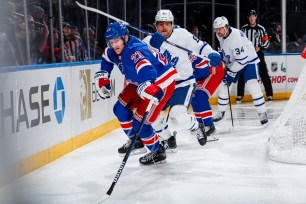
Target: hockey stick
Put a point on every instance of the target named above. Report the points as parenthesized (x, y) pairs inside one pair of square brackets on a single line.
[(126, 157), (134, 27), (230, 104)]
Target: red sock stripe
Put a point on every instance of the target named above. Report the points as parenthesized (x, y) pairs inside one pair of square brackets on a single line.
[(126, 125), (203, 114), (151, 140)]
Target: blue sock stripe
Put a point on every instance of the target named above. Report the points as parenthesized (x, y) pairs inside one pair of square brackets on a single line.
[(256, 99), (260, 104)]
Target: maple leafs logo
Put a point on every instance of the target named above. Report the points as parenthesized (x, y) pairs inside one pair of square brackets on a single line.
[(173, 61)]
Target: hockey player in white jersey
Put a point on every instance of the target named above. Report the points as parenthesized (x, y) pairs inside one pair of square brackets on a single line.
[(180, 101), (239, 56)]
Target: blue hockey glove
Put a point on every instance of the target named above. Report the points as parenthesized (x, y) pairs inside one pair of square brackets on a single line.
[(102, 83), (157, 40), (229, 77), (147, 90), (215, 59)]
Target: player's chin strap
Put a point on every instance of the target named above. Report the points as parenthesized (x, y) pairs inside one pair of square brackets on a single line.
[(136, 28)]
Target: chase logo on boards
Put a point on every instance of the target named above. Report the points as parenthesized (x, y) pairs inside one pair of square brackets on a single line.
[(26, 107), (85, 94), (59, 100)]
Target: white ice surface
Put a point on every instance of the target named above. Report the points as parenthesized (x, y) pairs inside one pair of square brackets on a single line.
[(234, 169)]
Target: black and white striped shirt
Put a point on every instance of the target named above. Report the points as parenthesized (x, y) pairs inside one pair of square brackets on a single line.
[(257, 35)]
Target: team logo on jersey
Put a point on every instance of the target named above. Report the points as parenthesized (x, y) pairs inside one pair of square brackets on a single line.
[(274, 66), (85, 94), (172, 61)]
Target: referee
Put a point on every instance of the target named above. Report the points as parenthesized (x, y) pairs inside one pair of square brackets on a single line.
[(257, 34)]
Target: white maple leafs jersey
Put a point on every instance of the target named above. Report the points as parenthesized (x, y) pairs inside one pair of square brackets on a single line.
[(237, 50), (178, 57)]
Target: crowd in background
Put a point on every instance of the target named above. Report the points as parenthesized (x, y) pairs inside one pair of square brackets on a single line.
[(13, 38), (13, 35)]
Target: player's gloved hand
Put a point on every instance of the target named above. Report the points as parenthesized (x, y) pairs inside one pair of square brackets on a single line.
[(215, 59), (157, 40), (229, 77), (102, 83), (147, 90)]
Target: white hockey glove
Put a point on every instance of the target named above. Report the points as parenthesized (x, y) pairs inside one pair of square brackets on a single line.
[(147, 90), (102, 83)]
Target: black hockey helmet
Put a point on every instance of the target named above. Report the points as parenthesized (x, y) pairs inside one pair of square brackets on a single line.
[(252, 12)]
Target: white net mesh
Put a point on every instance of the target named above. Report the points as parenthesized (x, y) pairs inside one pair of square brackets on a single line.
[(288, 141)]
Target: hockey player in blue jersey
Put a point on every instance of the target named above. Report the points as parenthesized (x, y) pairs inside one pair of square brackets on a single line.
[(149, 77), (179, 118), (208, 79)]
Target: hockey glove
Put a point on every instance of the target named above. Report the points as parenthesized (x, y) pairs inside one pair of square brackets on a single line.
[(229, 77), (147, 90), (215, 59), (157, 40), (103, 84)]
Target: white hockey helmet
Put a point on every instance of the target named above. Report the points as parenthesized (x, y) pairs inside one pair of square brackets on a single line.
[(220, 22), (164, 15)]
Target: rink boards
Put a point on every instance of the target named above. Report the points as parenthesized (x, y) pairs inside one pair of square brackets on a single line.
[(49, 110)]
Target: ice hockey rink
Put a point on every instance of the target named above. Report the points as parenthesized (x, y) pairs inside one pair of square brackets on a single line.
[(234, 169)]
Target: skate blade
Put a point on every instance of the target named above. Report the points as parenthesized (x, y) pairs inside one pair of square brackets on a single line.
[(212, 139), (155, 163), (171, 150), (135, 152)]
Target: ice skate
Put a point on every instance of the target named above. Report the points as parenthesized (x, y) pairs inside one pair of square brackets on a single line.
[(200, 133), (219, 116), (239, 99), (210, 132), (139, 147), (172, 143), (270, 99), (158, 157)]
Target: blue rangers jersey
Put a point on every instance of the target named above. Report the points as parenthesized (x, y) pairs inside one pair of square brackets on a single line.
[(139, 64), (200, 67)]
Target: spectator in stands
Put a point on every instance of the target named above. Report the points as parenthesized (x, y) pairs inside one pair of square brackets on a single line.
[(7, 50), (39, 40), (195, 31), (57, 48), (275, 35), (69, 45)]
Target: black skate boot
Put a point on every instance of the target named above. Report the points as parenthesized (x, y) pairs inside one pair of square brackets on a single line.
[(210, 130), (172, 141), (158, 157), (239, 99), (139, 147), (219, 116), (263, 117), (200, 133)]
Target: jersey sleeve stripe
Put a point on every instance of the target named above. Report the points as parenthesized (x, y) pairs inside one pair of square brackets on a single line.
[(105, 55), (242, 58), (205, 43), (166, 79), (142, 64), (202, 64)]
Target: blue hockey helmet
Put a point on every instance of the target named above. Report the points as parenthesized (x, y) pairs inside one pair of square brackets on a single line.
[(115, 30)]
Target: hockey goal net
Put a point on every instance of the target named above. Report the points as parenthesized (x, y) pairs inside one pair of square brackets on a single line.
[(288, 141)]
